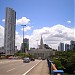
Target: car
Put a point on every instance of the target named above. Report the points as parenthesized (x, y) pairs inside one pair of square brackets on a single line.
[(32, 59), (43, 58), (26, 60)]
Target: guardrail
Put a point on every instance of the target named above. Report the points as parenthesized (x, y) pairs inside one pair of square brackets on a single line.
[(53, 70)]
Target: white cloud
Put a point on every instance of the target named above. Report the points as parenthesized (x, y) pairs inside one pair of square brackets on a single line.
[(3, 20), (51, 36), (18, 40), (1, 35), (68, 22), (26, 28), (22, 21)]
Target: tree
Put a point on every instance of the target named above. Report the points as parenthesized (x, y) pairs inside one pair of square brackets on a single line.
[(67, 59)]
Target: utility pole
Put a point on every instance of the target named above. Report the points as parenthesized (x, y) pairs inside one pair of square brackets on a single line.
[(23, 36)]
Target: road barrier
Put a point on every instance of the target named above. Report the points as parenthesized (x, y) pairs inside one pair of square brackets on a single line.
[(52, 68)]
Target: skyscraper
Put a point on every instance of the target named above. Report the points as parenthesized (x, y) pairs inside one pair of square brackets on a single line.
[(25, 45), (67, 47), (9, 35), (61, 47), (26, 42), (72, 44)]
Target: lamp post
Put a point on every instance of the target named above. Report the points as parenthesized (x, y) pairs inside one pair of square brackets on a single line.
[(23, 31), (37, 48), (37, 43), (23, 36)]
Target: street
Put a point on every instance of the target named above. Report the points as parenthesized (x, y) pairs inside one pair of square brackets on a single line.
[(16, 67), (40, 69)]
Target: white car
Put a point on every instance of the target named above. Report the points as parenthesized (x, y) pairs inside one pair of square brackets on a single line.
[(26, 60)]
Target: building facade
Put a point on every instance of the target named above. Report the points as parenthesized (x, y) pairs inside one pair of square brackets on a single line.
[(25, 45), (72, 44), (42, 51), (67, 47), (61, 47), (9, 35)]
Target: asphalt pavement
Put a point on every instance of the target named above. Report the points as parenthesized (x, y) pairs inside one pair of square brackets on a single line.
[(40, 69), (16, 67)]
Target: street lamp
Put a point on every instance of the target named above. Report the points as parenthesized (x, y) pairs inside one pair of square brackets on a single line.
[(37, 48), (23, 35), (37, 43), (23, 31)]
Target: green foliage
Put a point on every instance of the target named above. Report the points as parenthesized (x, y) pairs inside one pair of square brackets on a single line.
[(22, 55), (58, 63), (67, 60)]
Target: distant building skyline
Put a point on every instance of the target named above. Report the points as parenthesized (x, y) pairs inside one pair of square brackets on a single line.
[(44, 51), (61, 47), (67, 47), (25, 45), (72, 44), (9, 34)]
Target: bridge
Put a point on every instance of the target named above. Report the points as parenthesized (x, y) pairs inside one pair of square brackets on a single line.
[(37, 67)]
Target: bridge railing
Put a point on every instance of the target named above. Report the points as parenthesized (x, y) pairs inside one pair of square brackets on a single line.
[(53, 70)]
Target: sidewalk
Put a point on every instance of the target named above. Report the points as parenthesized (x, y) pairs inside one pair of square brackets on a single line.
[(40, 69)]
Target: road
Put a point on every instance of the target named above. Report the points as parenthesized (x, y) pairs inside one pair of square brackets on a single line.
[(16, 67), (40, 69)]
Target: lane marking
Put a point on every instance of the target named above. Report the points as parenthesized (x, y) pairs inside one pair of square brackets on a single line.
[(11, 69), (31, 68)]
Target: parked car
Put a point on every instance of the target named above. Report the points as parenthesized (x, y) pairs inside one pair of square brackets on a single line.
[(26, 60)]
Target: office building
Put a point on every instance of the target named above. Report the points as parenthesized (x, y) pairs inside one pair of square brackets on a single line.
[(72, 44), (9, 35), (25, 45), (61, 47), (67, 47), (26, 42)]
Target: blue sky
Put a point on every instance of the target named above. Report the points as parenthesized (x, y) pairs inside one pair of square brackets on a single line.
[(41, 13)]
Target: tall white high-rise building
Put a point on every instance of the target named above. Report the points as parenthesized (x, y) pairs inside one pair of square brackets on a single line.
[(9, 35)]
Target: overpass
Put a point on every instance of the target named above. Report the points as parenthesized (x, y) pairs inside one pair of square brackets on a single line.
[(37, 67)]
